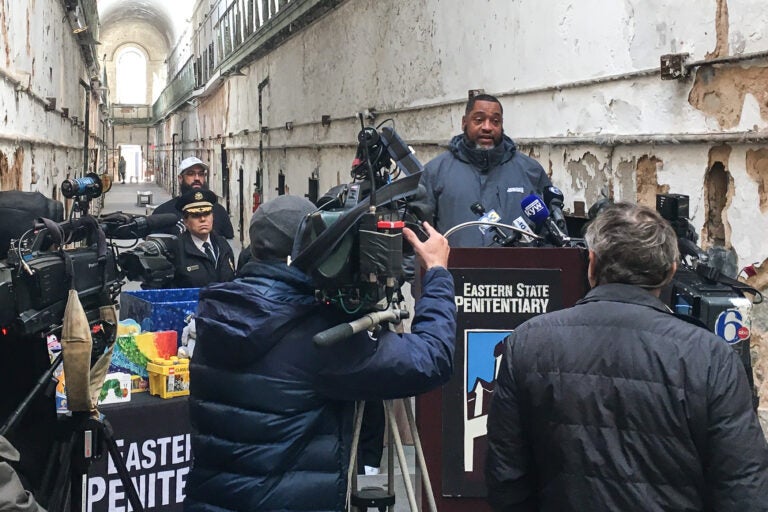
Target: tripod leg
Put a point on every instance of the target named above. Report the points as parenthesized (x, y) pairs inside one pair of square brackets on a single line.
[(352, 470), (400, 455), (420, 460), (122, 471)]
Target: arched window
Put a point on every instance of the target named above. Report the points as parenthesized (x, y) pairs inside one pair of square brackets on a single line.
[(131, 76)]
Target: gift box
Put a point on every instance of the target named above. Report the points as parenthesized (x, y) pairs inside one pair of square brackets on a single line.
[(132, 352)]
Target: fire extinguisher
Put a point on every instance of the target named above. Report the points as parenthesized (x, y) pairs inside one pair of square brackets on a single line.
[(256, 201)]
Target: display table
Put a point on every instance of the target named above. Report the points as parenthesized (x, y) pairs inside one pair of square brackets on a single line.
[(153, 437)]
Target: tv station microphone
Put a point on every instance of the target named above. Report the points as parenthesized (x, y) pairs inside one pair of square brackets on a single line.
[(554, 199), (535, 209), (500, 236)]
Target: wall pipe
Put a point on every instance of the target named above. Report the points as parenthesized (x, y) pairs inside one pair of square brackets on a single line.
[(601, 140), (173, 162), (86, 137), (641, 73)]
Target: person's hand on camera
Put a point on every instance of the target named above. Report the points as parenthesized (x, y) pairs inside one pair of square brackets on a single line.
[(434, 251)]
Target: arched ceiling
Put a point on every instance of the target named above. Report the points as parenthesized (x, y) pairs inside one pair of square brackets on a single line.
[(168, 17)]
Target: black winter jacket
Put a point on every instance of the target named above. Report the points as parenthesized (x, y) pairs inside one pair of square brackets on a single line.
[(615, 404), (272, 413), (193, 269), (499, 179)]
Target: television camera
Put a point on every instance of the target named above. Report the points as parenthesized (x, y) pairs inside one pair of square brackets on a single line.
[(699, 290), (353, 244), (36, 275)]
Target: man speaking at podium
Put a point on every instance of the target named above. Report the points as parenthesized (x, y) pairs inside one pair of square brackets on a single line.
[(481, 166), (271, 412), (615, 403)]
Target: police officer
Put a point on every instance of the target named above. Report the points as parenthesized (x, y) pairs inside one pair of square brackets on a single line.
[(202, 257)]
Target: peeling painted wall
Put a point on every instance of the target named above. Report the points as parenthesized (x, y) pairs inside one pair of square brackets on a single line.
[(576, 79), (40, 59)]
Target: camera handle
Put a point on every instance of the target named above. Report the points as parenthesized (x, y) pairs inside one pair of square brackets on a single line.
[(343, 331)]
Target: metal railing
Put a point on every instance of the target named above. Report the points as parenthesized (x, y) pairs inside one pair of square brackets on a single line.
[(122, 113), (180, 88), (229, 36)]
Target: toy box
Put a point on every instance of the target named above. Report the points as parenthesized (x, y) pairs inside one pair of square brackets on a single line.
[(159, 310), (132, 352), (169, 377)]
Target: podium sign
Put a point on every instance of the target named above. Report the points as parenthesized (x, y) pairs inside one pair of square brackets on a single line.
[(496, 289), (490, 303)]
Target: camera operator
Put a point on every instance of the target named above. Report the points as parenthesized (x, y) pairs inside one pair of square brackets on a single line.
[(202, 256), (193, 175), (271, 411), (616, 404)]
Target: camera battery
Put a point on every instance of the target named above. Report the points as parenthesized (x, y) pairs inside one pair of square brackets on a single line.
[(381, 251)]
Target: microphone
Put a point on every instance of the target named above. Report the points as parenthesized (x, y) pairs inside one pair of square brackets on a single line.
[(535, 209), (500, 236), (553, 198)]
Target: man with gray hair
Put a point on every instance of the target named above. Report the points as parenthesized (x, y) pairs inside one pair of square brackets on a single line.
[(615, 403)]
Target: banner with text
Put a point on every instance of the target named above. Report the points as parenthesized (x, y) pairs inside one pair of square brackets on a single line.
[(490, 303), (153, 438)]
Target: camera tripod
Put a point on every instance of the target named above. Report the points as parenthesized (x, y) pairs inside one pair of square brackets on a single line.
[(80, 440), (380, 498)]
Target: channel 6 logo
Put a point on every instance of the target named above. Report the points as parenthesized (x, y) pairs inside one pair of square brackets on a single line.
[(730, 326)]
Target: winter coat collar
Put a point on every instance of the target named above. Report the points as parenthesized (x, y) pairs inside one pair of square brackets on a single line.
[(625, 293), (482, 159)]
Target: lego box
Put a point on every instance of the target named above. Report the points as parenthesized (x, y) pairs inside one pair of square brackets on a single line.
[(169, 377), (159, 310)]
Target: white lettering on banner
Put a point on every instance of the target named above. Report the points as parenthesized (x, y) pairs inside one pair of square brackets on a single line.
[(503, 298), (161, 483)]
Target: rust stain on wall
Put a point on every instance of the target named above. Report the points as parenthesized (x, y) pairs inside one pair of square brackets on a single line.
[(718, 193), (29, 46), (759, 341), (757, 169), (648, 181), (719, 92), (625, 170), (10, 173), (4, 33), (721, 28)]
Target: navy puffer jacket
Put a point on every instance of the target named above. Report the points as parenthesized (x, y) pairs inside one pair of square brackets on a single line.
[(272, 413)]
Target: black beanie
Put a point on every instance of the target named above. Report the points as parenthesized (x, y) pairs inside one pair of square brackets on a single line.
[(274, 226)]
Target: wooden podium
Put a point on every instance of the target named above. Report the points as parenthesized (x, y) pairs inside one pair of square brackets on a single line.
[(497, 289)]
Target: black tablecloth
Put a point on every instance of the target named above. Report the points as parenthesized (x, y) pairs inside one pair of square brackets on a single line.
[(153, 437)]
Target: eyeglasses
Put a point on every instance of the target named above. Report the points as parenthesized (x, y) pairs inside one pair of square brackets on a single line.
[(199, 174)]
